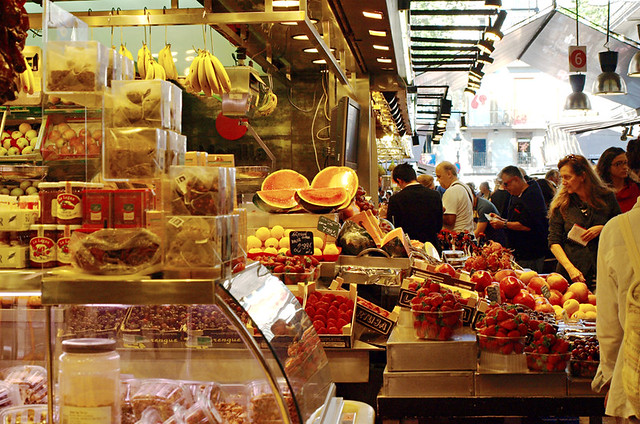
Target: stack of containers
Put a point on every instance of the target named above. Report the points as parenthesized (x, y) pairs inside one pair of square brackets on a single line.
[(18, 216)]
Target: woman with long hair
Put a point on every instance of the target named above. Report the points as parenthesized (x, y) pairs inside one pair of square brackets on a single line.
[(613, 169), (576, 216)]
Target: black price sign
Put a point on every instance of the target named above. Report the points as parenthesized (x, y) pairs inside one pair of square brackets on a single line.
[(405, 296), (328, 226), (301, 242), (373, 321)]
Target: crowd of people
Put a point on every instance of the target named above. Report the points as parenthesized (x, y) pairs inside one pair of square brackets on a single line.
[(573, 215)]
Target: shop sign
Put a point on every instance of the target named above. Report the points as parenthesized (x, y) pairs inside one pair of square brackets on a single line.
[(577, 59), (370, 319)]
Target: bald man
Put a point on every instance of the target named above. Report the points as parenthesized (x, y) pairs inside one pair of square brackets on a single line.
[(457, 199)]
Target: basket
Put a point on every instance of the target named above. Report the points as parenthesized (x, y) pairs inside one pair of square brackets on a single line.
[(436, 325)]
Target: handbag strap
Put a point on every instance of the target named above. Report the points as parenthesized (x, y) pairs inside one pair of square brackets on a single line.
[(632, 247)]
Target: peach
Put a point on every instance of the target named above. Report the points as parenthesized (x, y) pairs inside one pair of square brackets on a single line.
[(568, 295), (503, 273), (591, 299), (555, 298), (54, 135), (528, 275), (557, 282), (68, 134), (571, 306), (581, 290), (536, 283)]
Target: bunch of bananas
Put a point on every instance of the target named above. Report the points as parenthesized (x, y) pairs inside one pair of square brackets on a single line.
[(165, 59), (154, 70), (144, 56), (207, 74), (125, 52), (270, 101), (25, 81)]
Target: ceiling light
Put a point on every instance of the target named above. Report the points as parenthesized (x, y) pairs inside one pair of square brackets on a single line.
[(286, 3), (384, 60), (376, 33), (379, 47), (577, 100), (320, 62), (469, 90), (634, 65), (485, 58), (463, 122), (493, 3), (372, 15), (445, 108), (486, 46), (493, 33), (473, 84), (475, 78), (609, 82), (302, 37), (388, 69), (310, 50)]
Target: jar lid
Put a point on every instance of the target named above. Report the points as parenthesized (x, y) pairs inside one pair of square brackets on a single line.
[(45, 227), (70, 227), (88, 345)]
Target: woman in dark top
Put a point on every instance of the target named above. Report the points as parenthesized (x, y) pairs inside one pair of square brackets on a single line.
[(613, 169), (583, 201)]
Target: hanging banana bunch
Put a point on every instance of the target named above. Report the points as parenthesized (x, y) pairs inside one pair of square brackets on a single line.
[(144, 55), (165, 59), (269, 104), (207, 74), (26, 81), (125, 52), (154, 70)]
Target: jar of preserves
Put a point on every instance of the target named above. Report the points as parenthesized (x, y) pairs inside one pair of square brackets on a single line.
[(69, 208), (42, 246), (64, 237), (89, 382), (49, 202)]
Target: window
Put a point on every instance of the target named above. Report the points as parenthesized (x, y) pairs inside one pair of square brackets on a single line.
[(479, 152), (524, 150)]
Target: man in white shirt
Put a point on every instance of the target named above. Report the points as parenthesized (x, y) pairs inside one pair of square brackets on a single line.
[(456, 200), (615, 273)]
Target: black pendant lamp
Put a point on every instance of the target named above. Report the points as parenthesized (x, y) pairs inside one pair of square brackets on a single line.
[(577, 100), (634, 65), (609, 83)]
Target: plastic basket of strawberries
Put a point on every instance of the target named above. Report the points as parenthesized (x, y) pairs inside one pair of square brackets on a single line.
[(547, 352), (437, 312), (502, 330)]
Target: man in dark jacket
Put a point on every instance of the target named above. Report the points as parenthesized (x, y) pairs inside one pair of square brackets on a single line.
[(415, 208)]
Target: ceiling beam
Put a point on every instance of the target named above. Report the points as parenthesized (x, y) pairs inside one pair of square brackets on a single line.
[(448, 28), (440, 62), (440, 69), (443, 56), (445, 40), (454, 12), (444, 48)]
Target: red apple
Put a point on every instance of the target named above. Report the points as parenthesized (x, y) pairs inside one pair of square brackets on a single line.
[(555, 298), (503, 273), (482, 280), (557, 282), (581, 290), (511, 285), (535, 285), (446, 269), (523, 297)]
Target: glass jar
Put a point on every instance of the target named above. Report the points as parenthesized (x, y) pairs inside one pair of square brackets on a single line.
[(69, 206), (64, 237), (89, 382), (42, 246), (49, 201)]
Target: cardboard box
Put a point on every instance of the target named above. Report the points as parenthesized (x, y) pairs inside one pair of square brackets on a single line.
[(346, 339), (17, 220), (14, 257)]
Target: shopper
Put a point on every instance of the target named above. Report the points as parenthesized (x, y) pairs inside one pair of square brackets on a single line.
[(485, 191), (482, 209), (613, 169), (526, 224), (615, 275), (457, 199), (427, 181), (415, 208), (577, 214), (633, 155), (549, 185), (500, 198)]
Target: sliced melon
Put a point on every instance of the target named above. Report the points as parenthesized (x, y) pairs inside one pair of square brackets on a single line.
[(282, 199), (321, 200), (285, 179), (262, 205), (338, 176)]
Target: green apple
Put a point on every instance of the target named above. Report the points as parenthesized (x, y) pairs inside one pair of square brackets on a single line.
[(13, 151), (16, 192), (27, 150), (31, 134), (3, 151), (31, 190)]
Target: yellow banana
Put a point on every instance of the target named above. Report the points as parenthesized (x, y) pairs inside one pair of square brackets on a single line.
[(125, 52), (29, 78), (221, 75), (211, 75), (142, 61), (159, 71), (202, 74), (193, 74), (167, 62), (150, 71), (269, 106)]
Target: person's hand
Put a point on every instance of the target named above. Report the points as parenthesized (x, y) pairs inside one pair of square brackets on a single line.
[(497, 222), (592, 233), (575, 274)]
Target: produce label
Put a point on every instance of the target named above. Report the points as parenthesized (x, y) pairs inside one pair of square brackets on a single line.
[(405, 296), (545, 291), (301, 242), (176, 222), (86, 415), (64, 255), (328, 226), (69, 206), (42, 249)]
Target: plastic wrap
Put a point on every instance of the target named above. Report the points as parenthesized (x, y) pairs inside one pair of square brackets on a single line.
[(115, 251), (198, 190), (31, 381), (161, 395), (134, 153), (76, 66), (139, 103), (193, 242)]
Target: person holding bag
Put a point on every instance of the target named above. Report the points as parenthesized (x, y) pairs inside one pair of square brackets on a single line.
[(617, 270)]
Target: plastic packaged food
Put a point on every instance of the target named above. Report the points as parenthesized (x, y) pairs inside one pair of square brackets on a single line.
[(31, 381), (141, 103), (128, 208), (49, 202), (89, 381), (63, 254), (94, 320), (176, 108), (9, 395), (115, 251), (76, 66), (263, 406), (42, 246), (97, 206), (24, 414), (198, 190), (230, 402), (134, 153), (193, 242), (113, 67), (127, 416), (202, 412), (128, 68), (161, 395)]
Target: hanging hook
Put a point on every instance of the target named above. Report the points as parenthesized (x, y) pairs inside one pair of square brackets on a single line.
[(204, 36), (164, 11), (109, 21)]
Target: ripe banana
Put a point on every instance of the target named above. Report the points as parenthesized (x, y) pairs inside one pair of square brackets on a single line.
[(125, 52), (211, 74), (192, 78), (30, 79), (202, 74), (154, 70), (143, 54), (221, 74), (269, 106), (165, 59)]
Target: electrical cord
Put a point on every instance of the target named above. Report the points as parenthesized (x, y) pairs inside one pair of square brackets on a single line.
[(290, 95), (313, 139)]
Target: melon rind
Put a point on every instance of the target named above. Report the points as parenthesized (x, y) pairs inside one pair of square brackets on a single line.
[(338, 176), (284, 179), (262, 205), (325, 197), (281, 199)]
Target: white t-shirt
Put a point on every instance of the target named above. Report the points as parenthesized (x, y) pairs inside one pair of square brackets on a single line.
[(457, 201)]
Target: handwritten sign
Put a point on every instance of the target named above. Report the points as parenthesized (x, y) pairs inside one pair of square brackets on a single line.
[(301, 242), (328, 226), (545, 291), (493, 293), (371, 320)]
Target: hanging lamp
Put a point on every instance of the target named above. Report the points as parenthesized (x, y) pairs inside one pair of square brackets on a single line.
[(577, 100), (609, 83), (634, 65)]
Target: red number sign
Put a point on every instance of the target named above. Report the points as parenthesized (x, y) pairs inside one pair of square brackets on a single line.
[(577, 59)]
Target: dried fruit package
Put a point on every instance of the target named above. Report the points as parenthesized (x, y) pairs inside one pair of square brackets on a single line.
[(140, 104), (76, 66), (199, 190), (193, 242), (134, 153)]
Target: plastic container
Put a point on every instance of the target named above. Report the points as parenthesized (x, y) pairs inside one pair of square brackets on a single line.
[(127, 68), (31, 381), (583, 368), (547, 362), (198, 190), (9, 395), (134, 153), (502, 345), (89, 381), (176, 108), (140, 103), (437, 325), (128, 208), (63, 254), (161, 395), (76, 66), (24, 414), (114, 71), (193, 242), (97, 207), (49, 201), (43, 246)]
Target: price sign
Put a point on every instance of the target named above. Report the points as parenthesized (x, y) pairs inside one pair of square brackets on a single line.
[(577, 59), (301, 242), (328, 226)]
